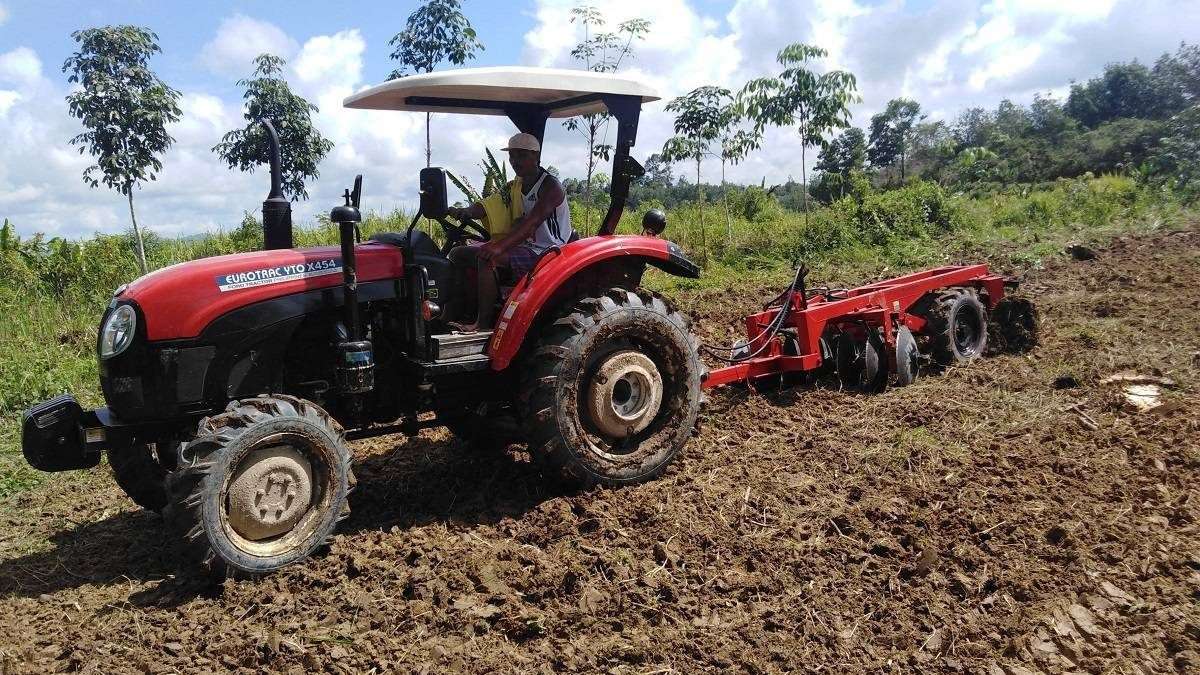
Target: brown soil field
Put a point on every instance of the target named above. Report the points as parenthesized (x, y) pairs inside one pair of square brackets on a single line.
[(1009, 517)]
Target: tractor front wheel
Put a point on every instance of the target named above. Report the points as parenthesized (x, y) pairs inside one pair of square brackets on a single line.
[(261, 486), (140, 474), (612, 391)]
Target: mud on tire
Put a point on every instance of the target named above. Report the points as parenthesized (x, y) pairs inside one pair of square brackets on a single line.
[(641, 328), (283, 443)]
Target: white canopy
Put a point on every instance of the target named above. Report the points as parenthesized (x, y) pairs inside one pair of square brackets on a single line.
[(485, 91)]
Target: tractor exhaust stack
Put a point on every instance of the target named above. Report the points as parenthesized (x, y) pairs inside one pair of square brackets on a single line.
[(276, 209)]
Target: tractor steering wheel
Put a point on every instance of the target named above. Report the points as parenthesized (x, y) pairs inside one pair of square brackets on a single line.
[(467, 230)]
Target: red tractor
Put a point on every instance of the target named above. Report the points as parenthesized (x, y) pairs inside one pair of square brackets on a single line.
[(234, 383)]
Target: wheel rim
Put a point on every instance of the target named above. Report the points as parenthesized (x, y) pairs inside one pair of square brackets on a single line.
[(275, 495), (625, 395), (967, 328)]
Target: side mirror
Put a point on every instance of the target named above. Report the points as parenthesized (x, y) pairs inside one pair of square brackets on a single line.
[(433, 193)]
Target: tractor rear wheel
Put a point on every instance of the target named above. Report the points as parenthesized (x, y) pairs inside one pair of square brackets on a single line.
[(956, 325), (261, 486), (140, 474), (612, 391)]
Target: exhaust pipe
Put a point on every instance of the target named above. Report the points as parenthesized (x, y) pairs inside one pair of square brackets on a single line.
[(276, 209)]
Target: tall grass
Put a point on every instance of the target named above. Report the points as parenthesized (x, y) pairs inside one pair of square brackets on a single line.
[(53, 292)]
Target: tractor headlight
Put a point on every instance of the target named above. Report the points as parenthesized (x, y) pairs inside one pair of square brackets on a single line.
[(117, 332)]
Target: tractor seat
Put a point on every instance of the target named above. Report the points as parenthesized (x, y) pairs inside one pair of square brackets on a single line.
[(422, 242)]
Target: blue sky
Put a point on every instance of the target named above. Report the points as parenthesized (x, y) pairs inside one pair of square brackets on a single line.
[(947, 54)]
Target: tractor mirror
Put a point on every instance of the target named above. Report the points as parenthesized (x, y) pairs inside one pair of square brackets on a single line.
[(433, 193)]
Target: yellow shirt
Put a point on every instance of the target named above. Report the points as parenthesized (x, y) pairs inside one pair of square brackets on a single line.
[(499, 217)]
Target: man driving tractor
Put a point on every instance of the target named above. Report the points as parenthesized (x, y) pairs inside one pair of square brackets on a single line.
[(546, 222)]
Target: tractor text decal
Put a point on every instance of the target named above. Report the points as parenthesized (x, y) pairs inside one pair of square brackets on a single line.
[(278, 275)]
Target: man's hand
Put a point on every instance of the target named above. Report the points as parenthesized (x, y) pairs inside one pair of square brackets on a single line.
[(490, 251)]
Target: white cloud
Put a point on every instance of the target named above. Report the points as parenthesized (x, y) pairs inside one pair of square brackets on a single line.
[(20, 67), (238, 40)]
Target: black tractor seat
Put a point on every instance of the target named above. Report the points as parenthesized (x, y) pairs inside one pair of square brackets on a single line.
[(422, 242)]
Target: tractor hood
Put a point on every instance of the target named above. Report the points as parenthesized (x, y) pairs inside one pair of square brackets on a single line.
[(179, 301)]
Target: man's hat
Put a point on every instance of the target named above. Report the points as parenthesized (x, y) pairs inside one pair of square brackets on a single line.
[(523, 142)]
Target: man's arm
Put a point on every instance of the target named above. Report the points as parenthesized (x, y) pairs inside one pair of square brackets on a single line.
[(474, 211)]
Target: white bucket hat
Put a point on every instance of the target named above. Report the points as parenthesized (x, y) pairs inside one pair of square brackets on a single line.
[(523, 142)]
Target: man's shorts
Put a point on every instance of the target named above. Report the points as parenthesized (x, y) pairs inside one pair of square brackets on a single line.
[(521, 259)]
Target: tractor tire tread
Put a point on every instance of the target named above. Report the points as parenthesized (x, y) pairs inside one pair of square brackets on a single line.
[(557, 351), (187, 486)]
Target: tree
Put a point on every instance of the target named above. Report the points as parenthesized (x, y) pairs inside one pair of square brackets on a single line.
[(735, 145), (843, 155), (700, 118), (814, 104), (1176, 160), (125, 109), (890, 134), (436, 31), (602, 52), (301, 146), (1122, 90)]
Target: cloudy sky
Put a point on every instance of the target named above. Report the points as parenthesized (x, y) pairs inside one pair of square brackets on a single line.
[(948, 54)]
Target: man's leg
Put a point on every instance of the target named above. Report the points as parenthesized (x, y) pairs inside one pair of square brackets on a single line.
[(466, 260), (489, 291)]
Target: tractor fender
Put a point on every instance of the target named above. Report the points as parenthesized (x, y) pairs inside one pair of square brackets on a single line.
[(558, 266)]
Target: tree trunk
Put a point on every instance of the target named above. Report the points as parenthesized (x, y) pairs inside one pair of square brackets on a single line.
[(137, 233), (700, 206), (725, 197), (587, 186), (804, 177)]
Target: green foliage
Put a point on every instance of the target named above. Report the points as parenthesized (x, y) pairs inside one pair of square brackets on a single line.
[(1175, 164), (815, 104), (436, 31), (301, 146), (890, 133), (600, 52), (124, 108)]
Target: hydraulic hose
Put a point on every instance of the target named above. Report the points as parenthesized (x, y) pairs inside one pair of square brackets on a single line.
[(767, 333)]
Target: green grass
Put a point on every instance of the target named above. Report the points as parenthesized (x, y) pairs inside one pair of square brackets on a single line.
[(53, 292)]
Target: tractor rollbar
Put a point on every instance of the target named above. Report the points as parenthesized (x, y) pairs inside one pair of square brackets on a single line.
[(276, 209)]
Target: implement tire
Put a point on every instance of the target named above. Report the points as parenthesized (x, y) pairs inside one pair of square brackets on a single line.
[(956, 326), (261, 486), (612, 391), (139, 473)]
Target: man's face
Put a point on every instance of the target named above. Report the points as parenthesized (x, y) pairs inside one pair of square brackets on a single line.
[(524, 162)]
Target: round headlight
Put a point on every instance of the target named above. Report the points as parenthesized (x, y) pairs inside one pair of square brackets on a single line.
[(117, 332)]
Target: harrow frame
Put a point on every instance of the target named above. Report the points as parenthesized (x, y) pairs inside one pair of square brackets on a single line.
[(886, 304)]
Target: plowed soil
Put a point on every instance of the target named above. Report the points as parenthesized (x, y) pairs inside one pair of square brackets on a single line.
[(1013, 516)]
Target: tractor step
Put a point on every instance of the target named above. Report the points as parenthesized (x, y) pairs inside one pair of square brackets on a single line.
[(456, 345)]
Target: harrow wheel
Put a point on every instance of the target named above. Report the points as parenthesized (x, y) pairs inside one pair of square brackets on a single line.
[(956, 326), (862, 363), (261, 486), (612, 391), (908, 357)]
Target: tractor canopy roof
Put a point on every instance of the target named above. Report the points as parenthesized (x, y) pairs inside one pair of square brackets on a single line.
[(554, 92)]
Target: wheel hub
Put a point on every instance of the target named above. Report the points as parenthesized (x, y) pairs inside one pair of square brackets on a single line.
[(625, 395), (270, 492)]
